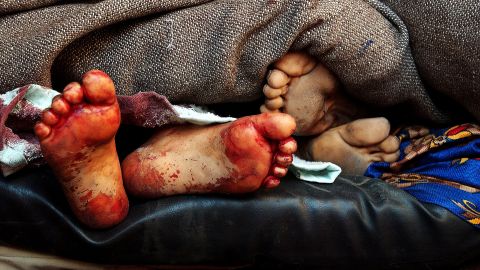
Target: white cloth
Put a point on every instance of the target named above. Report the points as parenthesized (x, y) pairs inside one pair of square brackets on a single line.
[(17, 152)]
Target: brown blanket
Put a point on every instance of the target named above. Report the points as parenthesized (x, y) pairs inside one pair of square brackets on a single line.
[(420, 56)]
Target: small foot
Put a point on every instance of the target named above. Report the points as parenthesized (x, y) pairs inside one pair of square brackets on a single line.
[(300, 86), (77, 139), (354, 146), (236, 157)]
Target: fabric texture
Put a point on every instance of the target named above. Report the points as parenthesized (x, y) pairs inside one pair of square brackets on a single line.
[(441, 167), (385, 53), (19, 110)]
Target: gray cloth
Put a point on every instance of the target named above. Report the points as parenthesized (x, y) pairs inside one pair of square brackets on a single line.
[(419, 56)]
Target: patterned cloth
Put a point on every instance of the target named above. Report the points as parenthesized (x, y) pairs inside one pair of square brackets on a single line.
[(439, 166)]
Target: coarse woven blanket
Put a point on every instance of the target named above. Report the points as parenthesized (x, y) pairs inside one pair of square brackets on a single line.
[(421, 56)]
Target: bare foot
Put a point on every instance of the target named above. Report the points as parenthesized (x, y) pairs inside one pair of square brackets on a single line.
[(309, 92), (77, 139), (235, 157), (356, 145)]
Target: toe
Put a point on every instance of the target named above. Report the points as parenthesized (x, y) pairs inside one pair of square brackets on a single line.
[(42, 130), (276, 126), (277, 79), (271, 93), (60, 105), (274, 104), (283, 159), (99, 87), (288, 146), (296, 64), (73, 93), (279, 171), (264, 109), (49, 118), (390, 145), (271, 182)]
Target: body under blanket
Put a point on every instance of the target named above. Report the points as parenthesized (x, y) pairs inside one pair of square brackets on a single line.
[(421, 56)]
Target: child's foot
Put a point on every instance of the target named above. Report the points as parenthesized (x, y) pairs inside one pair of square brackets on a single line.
[(77, 139), (308, 91), (356, 145), (235, 157)]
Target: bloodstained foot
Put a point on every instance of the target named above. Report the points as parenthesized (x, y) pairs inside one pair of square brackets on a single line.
[(354, 146), (77, 139), (236, 157), (305, 89)]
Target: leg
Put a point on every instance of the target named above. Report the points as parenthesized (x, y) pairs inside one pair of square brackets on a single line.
[(356, 145), (235, 157), (309, 92), (77, 139)]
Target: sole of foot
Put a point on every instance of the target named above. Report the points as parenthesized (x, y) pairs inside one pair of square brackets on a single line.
[(235, 157), (77, 137), (305, 89), (354, 146)]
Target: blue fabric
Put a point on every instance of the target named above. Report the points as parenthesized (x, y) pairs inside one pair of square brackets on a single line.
[(441, 167)]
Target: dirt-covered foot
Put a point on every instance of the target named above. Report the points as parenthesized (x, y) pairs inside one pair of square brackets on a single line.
[(235, 157), (356, 145), (300, 86), (77, 139)]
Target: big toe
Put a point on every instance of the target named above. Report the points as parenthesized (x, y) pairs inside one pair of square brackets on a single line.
[(296, 63), (365, 132), (276, 126), (98, 88)]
